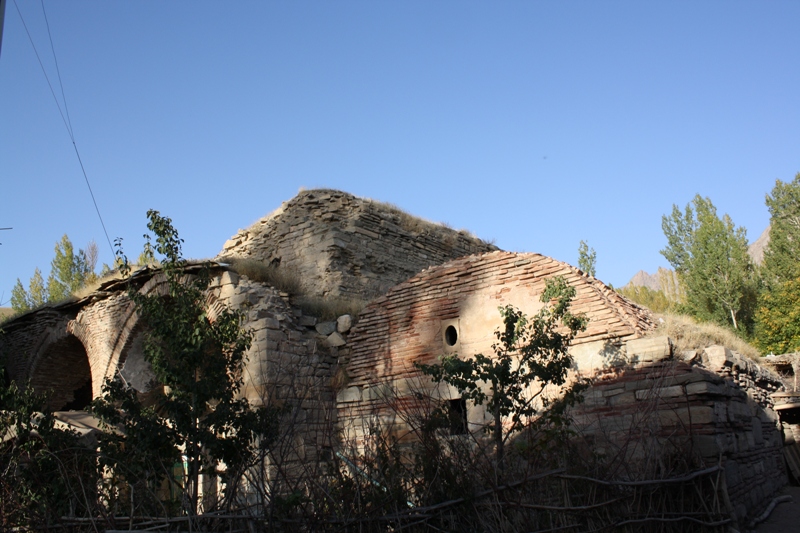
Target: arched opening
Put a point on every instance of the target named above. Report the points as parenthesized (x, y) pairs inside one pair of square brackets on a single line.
[(63, 373)]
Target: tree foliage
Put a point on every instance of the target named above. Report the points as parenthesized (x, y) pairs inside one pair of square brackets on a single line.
[(778, 313), (667, 299), (587, 258), (46, 472), (709, 254), (529, 356), (199, 360), (69, 272), (781, 254)]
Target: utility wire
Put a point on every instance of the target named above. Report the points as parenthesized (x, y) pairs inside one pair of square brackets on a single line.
[(58, 71), (65, 119)]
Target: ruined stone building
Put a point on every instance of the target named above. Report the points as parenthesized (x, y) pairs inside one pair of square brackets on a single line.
[(407, 292)]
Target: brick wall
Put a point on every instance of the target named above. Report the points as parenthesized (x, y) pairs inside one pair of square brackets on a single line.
[(342, 245), (408, 325)]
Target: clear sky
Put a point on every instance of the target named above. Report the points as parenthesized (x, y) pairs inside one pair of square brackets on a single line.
[(536, 124)]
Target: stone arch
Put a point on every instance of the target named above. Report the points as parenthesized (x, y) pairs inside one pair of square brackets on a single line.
[(62, 371), (126, 341)]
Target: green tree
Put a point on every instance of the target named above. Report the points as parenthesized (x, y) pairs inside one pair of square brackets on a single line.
[(656, 301), (20, 301), (46, 472), (68, 271), (777, 314), (199, 360), (710, 257), (529, 355), (778, 318), (587, 258), (781, 254), (33, 298)]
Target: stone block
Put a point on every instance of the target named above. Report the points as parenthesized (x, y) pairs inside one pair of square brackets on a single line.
[(740, 411), (237, 300), (231, 243), (344, 323), (335, 340), (706, 446), (694, 415), (325, 328), (307, 321), (626, 398), (229, 277), (717, 357), (704, 387), (650, 349), (660, 392)]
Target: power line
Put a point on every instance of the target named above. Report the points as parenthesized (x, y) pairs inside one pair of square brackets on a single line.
[(65, 119), (58, 71)]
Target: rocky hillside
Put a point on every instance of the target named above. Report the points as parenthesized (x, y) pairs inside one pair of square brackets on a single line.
[(756, 250)]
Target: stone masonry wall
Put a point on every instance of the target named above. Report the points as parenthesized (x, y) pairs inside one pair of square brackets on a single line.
[(341, 245), (289, 365), (668, 414)]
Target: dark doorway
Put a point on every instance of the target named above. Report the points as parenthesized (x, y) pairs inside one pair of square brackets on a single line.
[(63, 374)]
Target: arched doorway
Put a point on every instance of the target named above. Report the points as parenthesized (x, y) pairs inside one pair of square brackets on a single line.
[(63, 373)]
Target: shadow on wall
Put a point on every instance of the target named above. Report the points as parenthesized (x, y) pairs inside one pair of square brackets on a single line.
[(667, 418)]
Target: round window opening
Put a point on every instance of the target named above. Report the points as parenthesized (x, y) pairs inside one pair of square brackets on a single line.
[(450, 336)]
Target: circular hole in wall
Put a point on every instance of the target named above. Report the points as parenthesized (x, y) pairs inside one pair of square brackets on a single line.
[(450, 336)]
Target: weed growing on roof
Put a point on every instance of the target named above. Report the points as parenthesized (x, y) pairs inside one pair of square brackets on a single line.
[(687, 334)]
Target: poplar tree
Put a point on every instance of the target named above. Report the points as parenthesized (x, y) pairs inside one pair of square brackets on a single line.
[(709, 254), (778, 312), (69, 272), (587, 259), (782, 254), (35, 297)]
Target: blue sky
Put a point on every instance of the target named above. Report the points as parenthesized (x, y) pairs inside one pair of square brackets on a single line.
[(536, 124)]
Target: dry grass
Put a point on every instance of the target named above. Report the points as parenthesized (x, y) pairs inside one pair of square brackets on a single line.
[(282, 279), (329, 307), (92, 286), (417, 225), (687, 334)]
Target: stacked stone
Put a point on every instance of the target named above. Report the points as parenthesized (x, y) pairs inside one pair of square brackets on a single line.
[(341, 245), (759, 382), (660, 407), (291, 362)]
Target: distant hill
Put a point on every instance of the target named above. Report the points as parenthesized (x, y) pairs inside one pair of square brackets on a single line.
[(643, 279), (5, 311), (756, 250)]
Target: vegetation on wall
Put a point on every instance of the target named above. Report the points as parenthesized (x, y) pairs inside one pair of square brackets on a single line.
[(587, 258)]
